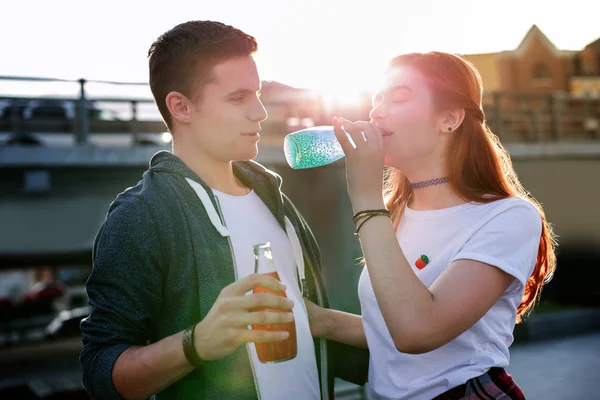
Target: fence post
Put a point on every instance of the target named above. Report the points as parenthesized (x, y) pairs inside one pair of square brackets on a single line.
[(538, 118), (135, 126), (84, 128), (498, 125), (556, 116), (16, 117)]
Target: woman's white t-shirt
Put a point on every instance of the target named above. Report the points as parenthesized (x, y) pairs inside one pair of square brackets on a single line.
[(505, 234)]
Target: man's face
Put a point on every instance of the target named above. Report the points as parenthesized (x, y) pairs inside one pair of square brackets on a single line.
[(226, 117)]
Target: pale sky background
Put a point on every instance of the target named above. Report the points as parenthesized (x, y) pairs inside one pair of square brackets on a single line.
[(335, 45)]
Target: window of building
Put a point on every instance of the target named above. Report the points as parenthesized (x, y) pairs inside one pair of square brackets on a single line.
[(576, 65), (588, 66), (541, 71), (541, 76)]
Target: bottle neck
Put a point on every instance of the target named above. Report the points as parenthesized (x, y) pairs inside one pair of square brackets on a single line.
[(263, 259)]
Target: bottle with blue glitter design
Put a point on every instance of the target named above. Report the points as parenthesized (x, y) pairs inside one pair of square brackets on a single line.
[(312, 147)]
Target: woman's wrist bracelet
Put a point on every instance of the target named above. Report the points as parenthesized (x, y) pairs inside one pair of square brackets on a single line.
[(368, 218), (366, 213)]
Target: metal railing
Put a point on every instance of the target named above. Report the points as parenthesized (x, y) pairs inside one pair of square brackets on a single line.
[(81, 115), (513, 116), (541, 117)]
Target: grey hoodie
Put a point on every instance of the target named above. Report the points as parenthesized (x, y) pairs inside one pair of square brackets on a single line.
[(160, 260)]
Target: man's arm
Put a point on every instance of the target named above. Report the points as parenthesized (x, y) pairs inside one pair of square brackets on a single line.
[(139, 372), (142, 371), (336, 325), (348, 347), (125, 293)]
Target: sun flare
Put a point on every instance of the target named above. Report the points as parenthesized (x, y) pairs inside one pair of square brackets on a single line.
[(342, 96)]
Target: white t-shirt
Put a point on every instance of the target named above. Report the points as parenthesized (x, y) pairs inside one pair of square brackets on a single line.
[(505, 234), (250, 222)]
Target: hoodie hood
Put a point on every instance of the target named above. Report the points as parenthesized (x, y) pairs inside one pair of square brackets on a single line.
[(265, 183)]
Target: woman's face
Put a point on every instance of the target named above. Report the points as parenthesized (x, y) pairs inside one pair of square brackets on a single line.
[(404, 110)]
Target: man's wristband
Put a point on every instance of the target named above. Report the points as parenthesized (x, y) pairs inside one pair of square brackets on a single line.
[(189, 349)]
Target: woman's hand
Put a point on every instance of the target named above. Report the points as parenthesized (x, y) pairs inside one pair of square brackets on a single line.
[(364, 163)]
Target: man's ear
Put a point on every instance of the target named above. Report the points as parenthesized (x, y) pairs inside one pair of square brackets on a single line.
[(180, 107), (451, 120)]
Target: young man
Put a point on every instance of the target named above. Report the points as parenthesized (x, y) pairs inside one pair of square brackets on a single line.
[(173, 261)]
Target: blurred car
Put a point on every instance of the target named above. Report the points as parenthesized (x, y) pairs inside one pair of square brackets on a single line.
[(46, 290), (23, 139), (12, 109), (49, 109), (6, 305), (66, 323), (41, 299), (64, 110)]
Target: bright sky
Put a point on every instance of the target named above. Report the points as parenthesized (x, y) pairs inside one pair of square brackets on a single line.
[(335, 45)]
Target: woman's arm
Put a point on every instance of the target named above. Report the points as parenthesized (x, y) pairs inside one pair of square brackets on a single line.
[(421, 319)]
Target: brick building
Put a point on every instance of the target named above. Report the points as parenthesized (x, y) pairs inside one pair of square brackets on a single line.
[(585, 80), (538, 66)]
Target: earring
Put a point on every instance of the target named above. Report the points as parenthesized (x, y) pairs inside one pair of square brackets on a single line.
[(449, 129)]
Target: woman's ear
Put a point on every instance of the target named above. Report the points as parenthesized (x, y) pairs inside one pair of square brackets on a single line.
[(180, 107), (451, 120)]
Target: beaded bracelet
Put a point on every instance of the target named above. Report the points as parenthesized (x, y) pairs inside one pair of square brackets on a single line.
[(364, 213)]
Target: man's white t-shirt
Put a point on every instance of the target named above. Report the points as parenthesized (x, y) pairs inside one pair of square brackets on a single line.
[(250, 222), (504, 234)]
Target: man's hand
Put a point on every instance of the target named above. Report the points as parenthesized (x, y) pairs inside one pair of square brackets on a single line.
[(225, 327)]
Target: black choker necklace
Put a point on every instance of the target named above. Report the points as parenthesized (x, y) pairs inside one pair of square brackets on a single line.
[(431, 182)]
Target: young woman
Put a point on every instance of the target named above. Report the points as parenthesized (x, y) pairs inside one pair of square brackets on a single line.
[(456, 251)]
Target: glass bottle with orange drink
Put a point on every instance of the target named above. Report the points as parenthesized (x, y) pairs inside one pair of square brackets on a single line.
[(286, 349)]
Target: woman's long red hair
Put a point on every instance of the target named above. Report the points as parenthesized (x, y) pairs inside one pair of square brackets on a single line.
[(480, 168)]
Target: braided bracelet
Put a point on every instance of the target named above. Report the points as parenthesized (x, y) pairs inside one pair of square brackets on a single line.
[(366, 219), (364, 213)]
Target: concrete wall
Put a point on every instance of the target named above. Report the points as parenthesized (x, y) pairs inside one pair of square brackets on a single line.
[(569, 190)]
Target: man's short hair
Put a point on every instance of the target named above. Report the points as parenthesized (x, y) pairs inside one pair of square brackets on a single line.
[(182, 58)]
